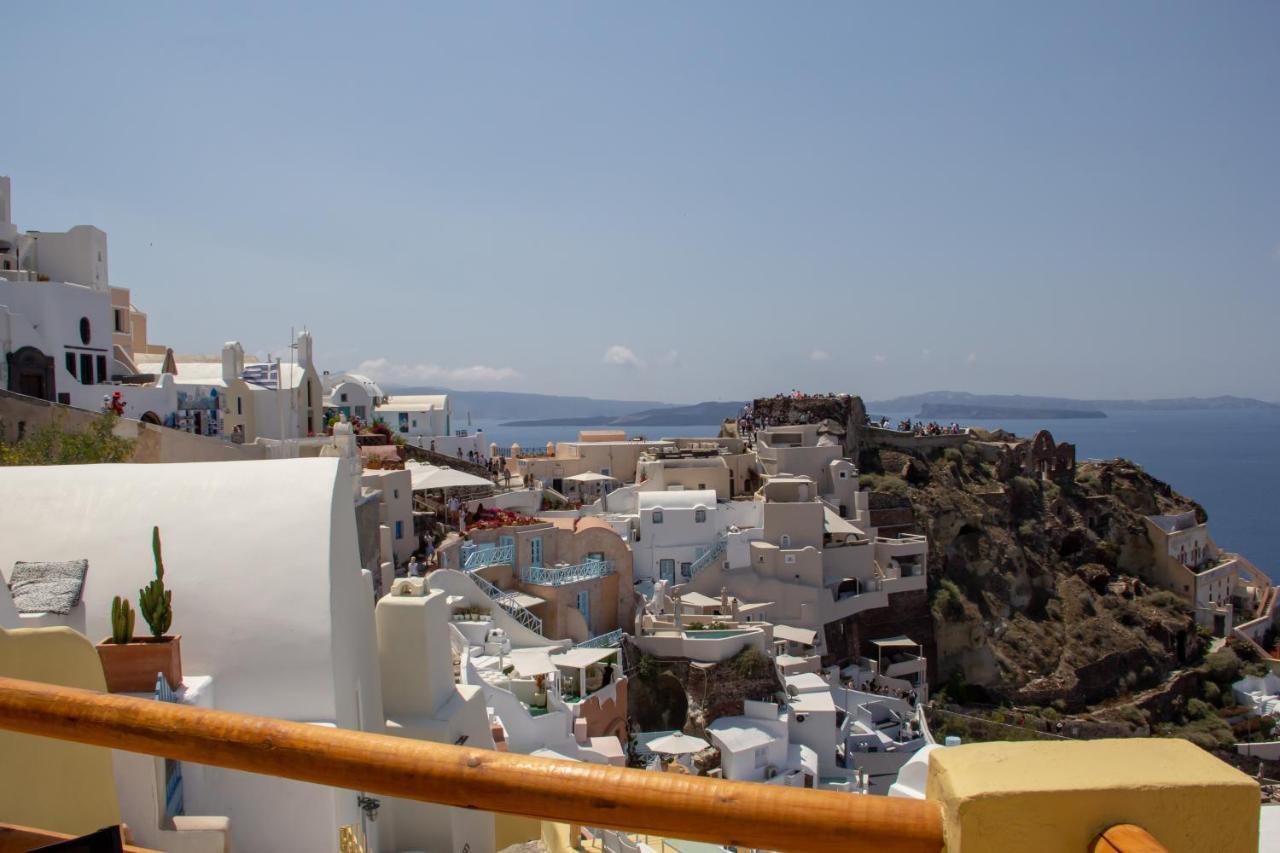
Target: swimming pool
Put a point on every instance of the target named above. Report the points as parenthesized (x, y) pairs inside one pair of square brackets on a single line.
[(715, 635)]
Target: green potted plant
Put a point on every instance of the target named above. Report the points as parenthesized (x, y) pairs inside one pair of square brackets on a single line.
[(131, 663)]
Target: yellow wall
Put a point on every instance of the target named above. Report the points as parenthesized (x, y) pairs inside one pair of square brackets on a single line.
[(47, 783), (1052, 797)]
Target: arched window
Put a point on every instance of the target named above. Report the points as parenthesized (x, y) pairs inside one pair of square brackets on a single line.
[(657, 516), (700, 516), (85, 331)]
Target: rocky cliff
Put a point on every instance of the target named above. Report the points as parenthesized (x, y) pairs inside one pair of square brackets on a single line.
[(1033, 565)]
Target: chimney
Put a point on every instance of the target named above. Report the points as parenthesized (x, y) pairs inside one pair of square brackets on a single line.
[(232, 361)]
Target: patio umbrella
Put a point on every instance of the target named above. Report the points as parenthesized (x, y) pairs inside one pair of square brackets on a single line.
[(447, 478), (678, 744)]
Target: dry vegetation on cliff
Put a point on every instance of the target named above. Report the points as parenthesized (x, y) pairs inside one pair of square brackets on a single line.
[(1033, 583)]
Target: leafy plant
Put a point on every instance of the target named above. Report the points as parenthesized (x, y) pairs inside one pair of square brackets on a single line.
[(52, 444), (154, 600), (122, 617)]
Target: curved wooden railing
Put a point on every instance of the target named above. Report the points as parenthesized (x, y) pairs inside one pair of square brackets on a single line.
[(666, 804), (1126, 838)]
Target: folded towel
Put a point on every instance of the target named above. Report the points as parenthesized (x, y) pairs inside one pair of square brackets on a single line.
[(47, 587)]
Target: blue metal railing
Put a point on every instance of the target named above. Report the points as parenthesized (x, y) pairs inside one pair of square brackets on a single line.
[(708, 558), (604, 641), (507, 601), (488, 555), (562, 575)]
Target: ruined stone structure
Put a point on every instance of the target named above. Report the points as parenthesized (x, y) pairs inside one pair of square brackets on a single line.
[(843, 416), (1039, 458)]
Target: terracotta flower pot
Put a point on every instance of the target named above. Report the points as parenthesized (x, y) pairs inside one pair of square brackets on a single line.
[(132, 667)]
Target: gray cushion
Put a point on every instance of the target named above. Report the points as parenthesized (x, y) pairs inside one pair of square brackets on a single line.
[(47, 587)]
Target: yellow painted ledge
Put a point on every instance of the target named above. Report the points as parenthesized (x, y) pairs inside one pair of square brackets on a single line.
[(1058, 796)]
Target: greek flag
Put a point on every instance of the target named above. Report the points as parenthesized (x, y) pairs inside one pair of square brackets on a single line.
[(266, 375)]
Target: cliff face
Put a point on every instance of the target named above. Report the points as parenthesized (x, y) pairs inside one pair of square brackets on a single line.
[(1031, 581)]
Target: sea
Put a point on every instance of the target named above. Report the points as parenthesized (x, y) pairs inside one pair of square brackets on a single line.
[(1228, 461)]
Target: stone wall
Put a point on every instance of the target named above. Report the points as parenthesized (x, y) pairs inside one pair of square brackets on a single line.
[(19, 414)]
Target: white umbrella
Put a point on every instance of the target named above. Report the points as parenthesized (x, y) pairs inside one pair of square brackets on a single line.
[(590, 477), (446, 478), (678, 744)]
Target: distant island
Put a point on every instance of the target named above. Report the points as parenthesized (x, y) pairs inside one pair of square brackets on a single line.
[(1035, 407), (961, 411)]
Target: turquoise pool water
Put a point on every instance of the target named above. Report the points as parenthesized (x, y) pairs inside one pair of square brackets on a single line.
[(714, 635)]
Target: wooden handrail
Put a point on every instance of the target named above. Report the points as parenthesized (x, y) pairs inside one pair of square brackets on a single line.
[(676, 806), (1126, 838)]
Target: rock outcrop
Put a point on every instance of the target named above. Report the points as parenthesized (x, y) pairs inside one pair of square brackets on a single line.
[(1031, 579)]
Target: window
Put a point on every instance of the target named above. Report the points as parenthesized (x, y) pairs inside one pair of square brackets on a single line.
[(844, 475), (84, 331), (239, 406), (657, 516), (342, 398), (699, 516), (789, 559), (118, 316), (785, 540), (606, 472), (686, 570), (399, 529), (395, 493), (102, 368), (71, 363), (86, 368), (535, 551)]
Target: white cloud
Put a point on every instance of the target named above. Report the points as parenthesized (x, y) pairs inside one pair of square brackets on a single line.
[(622, 357), (385, 370), (819, 355), (971, 359), (880, 359)]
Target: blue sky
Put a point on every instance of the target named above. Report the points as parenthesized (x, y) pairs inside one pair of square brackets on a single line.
[(679, 201)]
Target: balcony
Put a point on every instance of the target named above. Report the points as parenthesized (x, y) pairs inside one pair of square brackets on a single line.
[(563, 575), (487, 555), (979, 797)]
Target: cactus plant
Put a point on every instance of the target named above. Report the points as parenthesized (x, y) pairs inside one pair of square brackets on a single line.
[(122, 617), (154, 600)]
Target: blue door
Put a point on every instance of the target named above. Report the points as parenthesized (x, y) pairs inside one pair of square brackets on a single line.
[(667, 570), (535, 552), (584, 607)]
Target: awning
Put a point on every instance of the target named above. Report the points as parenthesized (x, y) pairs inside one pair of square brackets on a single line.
[(589, 477), (697, 599), (898, 642), (581, 658), (795, 635), (837, 526), (531, 662)]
